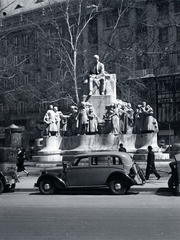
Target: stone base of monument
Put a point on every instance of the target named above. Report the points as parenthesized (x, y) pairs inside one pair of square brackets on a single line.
[(50, 153), (158, 156), (58, 149)]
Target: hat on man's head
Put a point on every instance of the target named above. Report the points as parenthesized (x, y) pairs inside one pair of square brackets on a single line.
[(96, 56), (149, 147)]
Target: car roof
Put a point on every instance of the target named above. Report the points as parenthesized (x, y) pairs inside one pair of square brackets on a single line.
[(124, 155)]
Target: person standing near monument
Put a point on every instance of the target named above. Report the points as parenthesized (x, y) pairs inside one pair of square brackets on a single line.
[(151, 165), (97, 76), (122, 148)]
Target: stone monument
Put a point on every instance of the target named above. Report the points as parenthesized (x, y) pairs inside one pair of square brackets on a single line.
[(100, 122)]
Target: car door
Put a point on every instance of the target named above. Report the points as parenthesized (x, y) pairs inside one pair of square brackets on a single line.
[(79, 174), (99, 170)]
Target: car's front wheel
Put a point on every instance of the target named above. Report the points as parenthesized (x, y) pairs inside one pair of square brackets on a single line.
[(118, 186), (1, 186), (46, 186)]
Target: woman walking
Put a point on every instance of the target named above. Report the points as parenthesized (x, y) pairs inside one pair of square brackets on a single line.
[(20, 161)]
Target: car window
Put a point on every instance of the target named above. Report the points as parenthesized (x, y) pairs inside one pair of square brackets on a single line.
[(115, 160), (99, 160), (83, 162)]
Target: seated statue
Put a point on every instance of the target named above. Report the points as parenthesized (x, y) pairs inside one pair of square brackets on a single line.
[(96, 76)]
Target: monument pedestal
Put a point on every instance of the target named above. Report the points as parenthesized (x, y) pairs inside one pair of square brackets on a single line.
[(51, 150), (99, 102)]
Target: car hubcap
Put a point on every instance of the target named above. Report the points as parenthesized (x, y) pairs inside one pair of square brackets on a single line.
[(46, 186), (117, 186)]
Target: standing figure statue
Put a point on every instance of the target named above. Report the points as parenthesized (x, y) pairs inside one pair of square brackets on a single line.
[(50, 122), (57, 120), (136, 128), (92, 122), (72, 122), (97, 76), (150, 123), (130, 118), (112, 120), (142, 115), (82, 119)]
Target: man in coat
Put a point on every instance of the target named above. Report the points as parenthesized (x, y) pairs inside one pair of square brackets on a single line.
[(151, 165)]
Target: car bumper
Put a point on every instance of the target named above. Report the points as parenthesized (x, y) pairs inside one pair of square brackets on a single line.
[(36, 185)]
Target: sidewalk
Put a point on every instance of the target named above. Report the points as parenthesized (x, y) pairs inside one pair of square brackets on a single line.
[(26, 184)]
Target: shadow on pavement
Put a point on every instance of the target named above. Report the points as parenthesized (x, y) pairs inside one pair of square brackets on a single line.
[(165, 192), (86, 192)]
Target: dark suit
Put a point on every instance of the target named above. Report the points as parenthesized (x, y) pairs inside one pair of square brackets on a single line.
[(151, 165), (97, 76)]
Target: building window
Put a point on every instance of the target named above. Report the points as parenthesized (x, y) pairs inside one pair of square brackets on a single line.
[(15, 60), (177, 6), (16, 81), (5, 61), (164, 60), (60, 30), (26, 79), (141, 32), (20, 107), (36, 37), (5, 43), (26, 40), (48, 33), (111, 19), (163, 9), (49, 54), (49, 75), (37, 77), (5, 83), (15, 41), (178, 33), (36, 57), (1, 108), (92, 33), (163, 35), (27, 59), (178, 59)]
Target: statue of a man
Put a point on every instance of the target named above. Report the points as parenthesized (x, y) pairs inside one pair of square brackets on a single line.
[(50, 122), (97, 76)]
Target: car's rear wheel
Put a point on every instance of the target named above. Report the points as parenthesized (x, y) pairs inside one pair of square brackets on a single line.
[(46, 186), (118, 186), (1, 186)]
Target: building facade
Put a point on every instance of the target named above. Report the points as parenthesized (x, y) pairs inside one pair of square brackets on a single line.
[(138, 40)]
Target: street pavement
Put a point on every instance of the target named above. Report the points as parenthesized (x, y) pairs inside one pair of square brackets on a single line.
[(26, 183)]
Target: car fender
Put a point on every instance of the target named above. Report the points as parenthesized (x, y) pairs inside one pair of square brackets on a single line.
[(59, 183), (121, 175), (2, 177)]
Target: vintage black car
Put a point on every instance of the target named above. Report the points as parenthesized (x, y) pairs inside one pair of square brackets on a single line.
[(8, 180), (115, 170)]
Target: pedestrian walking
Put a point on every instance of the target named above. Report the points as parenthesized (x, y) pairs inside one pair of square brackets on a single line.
[(122, 148), (21, 156), (151, 165)]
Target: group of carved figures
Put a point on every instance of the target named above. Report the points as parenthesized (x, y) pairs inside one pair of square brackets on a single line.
[(81, 120), (119, 118)]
